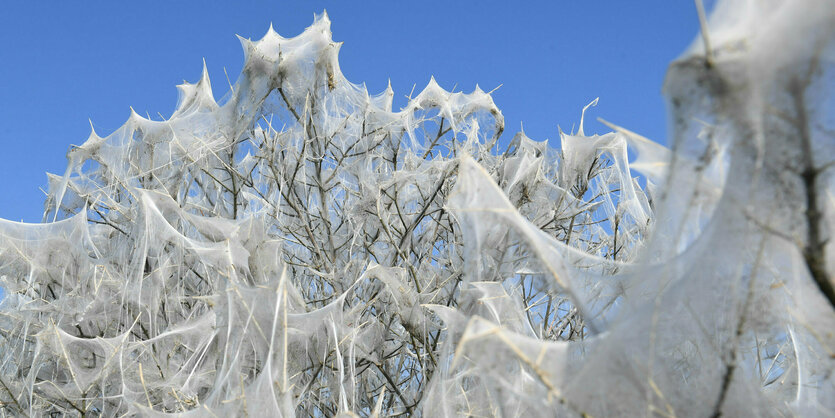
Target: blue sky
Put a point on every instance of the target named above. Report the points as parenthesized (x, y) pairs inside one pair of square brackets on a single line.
[(64, 63)]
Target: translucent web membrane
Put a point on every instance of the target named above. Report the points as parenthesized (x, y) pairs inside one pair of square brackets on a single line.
[(299, 248)]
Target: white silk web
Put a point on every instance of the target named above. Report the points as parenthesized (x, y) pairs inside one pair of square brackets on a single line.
[(301, 248)]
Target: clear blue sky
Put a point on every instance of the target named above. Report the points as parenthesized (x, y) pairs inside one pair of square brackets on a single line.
[(62, 63)]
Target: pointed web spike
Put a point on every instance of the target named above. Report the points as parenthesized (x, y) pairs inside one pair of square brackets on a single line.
[(583, 114)]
